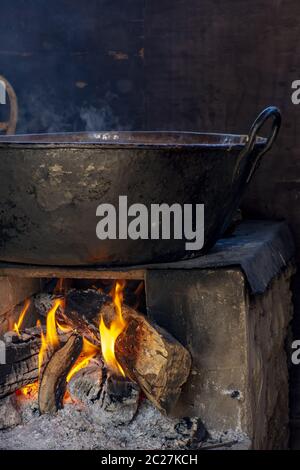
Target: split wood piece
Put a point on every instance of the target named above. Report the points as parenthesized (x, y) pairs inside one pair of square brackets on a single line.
[(151, 357), (77, 321), (86, 385), (21, 360), (53, 382), (119, 400)]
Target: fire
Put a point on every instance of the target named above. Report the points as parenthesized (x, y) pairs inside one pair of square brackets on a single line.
[(64, 328), (28, 391), (70, 399), (59, 288), (17, 326), (51, 339), (43, 347), (110, 334), (89, 350), (52, 336)]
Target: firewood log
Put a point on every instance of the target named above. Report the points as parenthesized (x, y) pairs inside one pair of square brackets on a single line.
[(82, 308), (119, 401), (53, 382), (151, 357), (21, 366), (111, 399), (86, 385), (22, 351), (74, 316)]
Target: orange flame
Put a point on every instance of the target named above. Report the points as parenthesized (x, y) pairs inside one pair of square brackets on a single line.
[(59, 288), (28, 391), (43, 347), (51, 339), (17, 326), (109, 335), (64, 328), (89, 350)]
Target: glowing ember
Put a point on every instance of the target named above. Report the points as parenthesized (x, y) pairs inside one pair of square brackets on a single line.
[(110, 334), (69, 399), (17, 326), (28, 391), (89, 351)]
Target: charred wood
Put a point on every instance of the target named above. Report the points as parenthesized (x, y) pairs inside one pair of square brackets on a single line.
[(110, 399), (21, 367), (53, 382), (77, 321)]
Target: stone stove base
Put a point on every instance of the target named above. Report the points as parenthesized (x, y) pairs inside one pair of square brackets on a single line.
[(230, 308)]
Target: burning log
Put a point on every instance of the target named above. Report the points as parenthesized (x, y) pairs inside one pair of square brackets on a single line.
[(147, 354), (53, 382), (119, 400), (21, 366), (111, 399), (85, 303), (82, 307), (74, 316), (87, 384), (151, 357)]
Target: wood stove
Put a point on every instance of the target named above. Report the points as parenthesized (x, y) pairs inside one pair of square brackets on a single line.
[(219, 322)]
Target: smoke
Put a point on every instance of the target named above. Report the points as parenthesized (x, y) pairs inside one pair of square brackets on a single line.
[(101, 118), (73, 68), (42, 111), (98, 119)]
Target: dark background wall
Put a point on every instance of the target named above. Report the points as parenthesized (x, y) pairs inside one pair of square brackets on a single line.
[(75, 65), (182, 64)]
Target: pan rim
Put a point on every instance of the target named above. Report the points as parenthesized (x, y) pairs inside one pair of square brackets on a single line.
[(113, 140)]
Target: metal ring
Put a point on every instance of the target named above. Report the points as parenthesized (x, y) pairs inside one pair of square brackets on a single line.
[(10, 126)]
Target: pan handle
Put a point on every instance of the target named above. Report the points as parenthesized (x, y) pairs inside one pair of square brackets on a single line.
[(9, 127), (269, 113)]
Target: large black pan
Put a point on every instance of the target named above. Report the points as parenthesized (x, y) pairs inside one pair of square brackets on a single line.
[(51, 185)]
